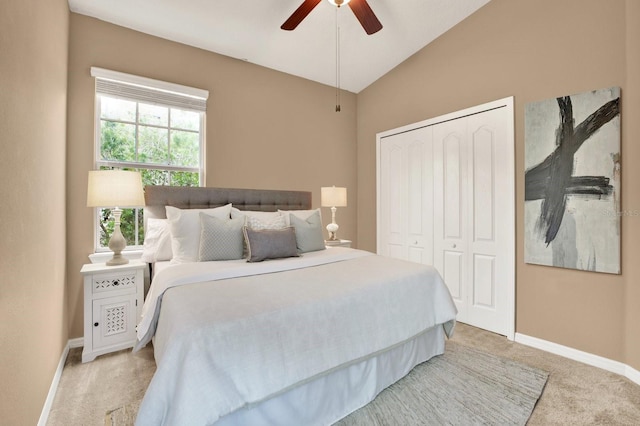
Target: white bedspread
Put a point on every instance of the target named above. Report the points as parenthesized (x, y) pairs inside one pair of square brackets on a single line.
[(223, 344)]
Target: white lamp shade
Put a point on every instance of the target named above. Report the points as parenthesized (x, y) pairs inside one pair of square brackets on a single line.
[(330, 196), (114, 188)]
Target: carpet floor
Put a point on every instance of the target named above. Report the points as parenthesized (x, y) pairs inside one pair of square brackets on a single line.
[(107, 390)]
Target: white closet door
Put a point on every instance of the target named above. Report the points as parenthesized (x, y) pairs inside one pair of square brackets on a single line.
[(488, 215), (451, 237), (446, 197), (471, 253), (406, 194)]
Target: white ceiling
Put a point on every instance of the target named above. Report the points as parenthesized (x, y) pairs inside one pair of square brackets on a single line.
[(250, 30)]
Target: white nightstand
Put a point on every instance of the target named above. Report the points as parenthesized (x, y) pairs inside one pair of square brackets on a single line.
[(113, 297), (337, 243)]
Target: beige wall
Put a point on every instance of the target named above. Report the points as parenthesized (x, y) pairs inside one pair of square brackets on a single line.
[(33, 96), (533, 50), (264, 129)]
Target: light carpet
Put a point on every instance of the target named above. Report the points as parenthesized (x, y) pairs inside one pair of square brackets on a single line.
[(463, 386)]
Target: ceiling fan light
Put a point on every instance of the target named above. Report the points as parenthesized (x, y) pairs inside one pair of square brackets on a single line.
[(339, 3)]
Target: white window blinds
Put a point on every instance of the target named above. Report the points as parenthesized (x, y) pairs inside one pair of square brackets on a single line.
[(144, 89)]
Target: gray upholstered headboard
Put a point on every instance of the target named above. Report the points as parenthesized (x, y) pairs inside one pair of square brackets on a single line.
[(267, 200)]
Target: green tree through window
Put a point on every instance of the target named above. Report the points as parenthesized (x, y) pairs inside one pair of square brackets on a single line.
[(163, 142)]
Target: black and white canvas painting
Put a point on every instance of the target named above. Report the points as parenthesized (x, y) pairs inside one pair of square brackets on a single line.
[(572, 181)]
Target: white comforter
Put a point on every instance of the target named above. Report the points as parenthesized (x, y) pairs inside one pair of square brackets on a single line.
[(223, 344)]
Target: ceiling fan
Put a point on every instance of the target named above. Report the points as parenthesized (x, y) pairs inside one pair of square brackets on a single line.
[(360, 8)]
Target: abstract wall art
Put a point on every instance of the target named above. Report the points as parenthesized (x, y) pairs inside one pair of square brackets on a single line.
[(572, 181)]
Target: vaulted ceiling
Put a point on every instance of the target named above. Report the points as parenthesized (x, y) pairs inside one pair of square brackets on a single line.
[(250, 30)]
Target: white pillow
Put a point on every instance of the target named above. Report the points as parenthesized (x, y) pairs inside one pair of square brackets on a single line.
[(157, 241), (185, 230), (301, 214), (257, 224), (264, 216)]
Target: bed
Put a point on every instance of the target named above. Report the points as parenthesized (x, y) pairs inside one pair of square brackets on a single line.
[(291, 340)]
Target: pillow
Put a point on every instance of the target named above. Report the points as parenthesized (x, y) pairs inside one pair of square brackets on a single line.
[(220, 239), (260, 215), (185, 230), (157, 241), (270, 243), (260, 220), (277, 222), (308, 232), (302, 214)]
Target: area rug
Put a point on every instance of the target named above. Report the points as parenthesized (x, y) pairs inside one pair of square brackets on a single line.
[(464, 386)]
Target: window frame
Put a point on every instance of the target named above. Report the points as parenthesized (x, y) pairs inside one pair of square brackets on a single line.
[(149, 88)]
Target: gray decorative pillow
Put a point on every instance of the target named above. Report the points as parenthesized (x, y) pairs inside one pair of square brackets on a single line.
[(269, 243), (220, 239), (308, 232)]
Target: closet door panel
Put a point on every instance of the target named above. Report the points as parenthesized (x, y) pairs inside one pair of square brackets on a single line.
[(453, 270), (452, 164), (483, 165), (420, 197), (484, 291), (391, 215)]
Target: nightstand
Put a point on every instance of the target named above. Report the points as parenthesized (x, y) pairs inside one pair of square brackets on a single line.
[(337, 243), (113, 297)]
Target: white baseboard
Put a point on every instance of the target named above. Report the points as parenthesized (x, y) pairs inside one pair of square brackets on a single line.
[(633, 374), (78, 342), (584, 357), (46, 409)]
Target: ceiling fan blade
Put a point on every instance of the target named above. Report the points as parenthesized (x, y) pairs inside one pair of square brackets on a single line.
[(301, 12), (365, 15)]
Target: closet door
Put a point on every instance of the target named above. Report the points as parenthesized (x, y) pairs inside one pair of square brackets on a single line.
[(471, 253), (405, 222), (451, 236), (446, 197), (490, 248)]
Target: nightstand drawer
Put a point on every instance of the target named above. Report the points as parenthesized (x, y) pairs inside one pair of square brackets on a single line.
[(111, 282)]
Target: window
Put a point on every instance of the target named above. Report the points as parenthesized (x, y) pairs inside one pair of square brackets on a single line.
[(150, 126)]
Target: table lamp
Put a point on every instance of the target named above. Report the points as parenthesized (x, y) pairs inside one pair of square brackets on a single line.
[(333, 197), (115, 189)]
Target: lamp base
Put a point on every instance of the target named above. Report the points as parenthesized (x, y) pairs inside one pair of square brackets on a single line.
[(117, 243), (332, 229), (117, 259)]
